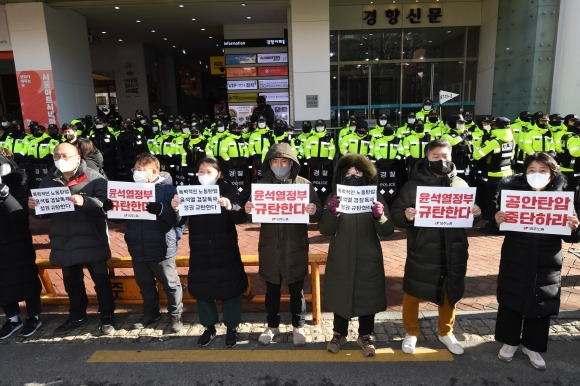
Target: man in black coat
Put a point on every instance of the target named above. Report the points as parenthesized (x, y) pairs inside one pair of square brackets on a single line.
[(264, 110)]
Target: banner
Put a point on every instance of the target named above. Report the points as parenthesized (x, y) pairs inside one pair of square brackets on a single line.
[(280, 203), (281, 112), (240, 59), (276, 96), (37, 97), (217, 65), (356, 199), (537, 212), (273, 83), (273, 58), (129, 200), (52, 200), (240, 113), (242, 84), (273, 71), (239, 72), (445, 96), (444, 207), (198, 199), (246, 97)]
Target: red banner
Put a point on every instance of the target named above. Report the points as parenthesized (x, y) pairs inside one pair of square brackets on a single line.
[(273, 71), (37, 97), (240, 71)]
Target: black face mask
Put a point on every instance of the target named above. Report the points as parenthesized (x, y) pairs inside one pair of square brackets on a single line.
[(70, 137), (440, 167), (53, 133), (361, 133), (38, 134), (433, 119), (419, 130), (278, 131), (306, 129), (389, 131), (354, 180), (542, 125)]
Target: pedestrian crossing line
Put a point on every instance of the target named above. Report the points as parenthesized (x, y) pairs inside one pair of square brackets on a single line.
[(382, 355)]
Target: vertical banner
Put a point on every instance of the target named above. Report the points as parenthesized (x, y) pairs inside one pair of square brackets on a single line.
[(37, 97)]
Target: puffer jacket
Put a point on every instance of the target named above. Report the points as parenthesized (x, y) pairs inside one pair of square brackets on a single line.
[(436, 257), (156, 240), (80, 236), (530, 268), (354, 279), (283, 248)]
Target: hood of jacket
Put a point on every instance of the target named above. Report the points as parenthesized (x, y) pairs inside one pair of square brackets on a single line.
[(280, 150), (360, 162)]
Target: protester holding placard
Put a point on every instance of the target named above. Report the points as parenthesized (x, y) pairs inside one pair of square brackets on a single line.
[(530, 270), (79, 238), (355, 274), (216, 271), (436, 257), (153, 246), (283, 247)]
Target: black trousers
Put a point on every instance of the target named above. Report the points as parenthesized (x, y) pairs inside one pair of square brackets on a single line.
[(366, 324), (513, 328), (33, 308), (74, 284), (297, 304)]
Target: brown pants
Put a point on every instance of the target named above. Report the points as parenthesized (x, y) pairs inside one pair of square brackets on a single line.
[(411, 316)]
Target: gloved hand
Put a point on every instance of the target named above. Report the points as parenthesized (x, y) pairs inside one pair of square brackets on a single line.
[(378, 210), (108, 205), (4, 192), (333, 204), (154, 208)]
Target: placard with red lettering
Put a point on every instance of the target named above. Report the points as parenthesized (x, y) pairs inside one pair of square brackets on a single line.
[(52, 200), (439, 207), (356, 199), (537, 212), (198, 199), (130, 200), (280, 203)]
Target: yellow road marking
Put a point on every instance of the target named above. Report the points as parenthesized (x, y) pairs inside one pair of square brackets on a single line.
[(382, 355)]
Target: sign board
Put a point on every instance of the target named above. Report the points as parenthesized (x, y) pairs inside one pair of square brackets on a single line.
[(356, 199), (217, 65), (272, 83), (281, 112), (445, 96), (274, 42), (37, 97), (240, 59), (52, 200), (280, 203), (130, 200), (273, 58), (311, 101), (273, 71), (276, 96), (240, 113), (439, 207), (242, 84), (248, 97), (198, 199), (239, 72)]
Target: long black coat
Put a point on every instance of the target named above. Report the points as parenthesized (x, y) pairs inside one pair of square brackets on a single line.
[(18, 273), (216, 271), (530, 269)]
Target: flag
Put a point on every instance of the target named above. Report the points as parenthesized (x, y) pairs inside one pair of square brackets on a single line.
[(445, 96)]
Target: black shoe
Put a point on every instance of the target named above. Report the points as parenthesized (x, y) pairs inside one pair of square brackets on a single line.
[(146, 320), (107, 324), (70, 325), (10, 328), (231, 337), (206, 337), (30, 326)]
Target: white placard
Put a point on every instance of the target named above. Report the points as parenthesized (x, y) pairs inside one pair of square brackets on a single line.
[(356, 199), (52, 200), (444, 207), (273, 58), (280, 203), (537, 212), (198, 199), (273, 83), (242, 84), (445, 96), (276, 96), (129, 200)]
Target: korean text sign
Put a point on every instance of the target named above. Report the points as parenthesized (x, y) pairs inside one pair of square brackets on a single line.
[(198, 199), (537, 212), (444, 207), (52, 200), (130, 200), (280, 203), (356, 199)]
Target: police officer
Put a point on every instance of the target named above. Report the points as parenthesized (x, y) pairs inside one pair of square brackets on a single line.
[(357, 142), (234, 152), (388, 152), (521, 125), (130, 143), (15, 140), (414, 145), (462, 148), (427, 107), (258, 145), (406, 129), (377, 131), (539, 138), (433, 125), (348, 129), (104, 139), (569, 157), (263, 110), (214, 143), (194, 152), (319, 152), (38, 152)]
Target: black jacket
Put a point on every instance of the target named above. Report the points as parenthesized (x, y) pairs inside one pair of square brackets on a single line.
[(530, 268)]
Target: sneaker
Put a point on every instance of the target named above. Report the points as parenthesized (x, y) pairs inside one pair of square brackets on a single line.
[(146, 320), (506, 353), (231, 337), (409, 343), (298, 337), (70, 325), (336, 343), (269, 333), (452, 344), (206, 337), (176, 323), (30, 326), (535, 359), (107, 326), (10, 328), (367, 347)]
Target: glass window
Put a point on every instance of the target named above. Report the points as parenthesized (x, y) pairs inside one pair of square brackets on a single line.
[(430, 43), (367, 46)]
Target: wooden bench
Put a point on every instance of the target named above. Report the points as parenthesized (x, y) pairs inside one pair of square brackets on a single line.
[(127, 292)]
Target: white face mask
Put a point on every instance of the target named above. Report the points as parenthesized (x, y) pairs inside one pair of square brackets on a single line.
[(352, 127), (207, 179), (382, 122), (460, 126), (220, 129), (99, 126), (140, 176), (427, 107), (411, 120), (65, 166), (245, 130), (4, 124), (486, 127), (165, 131), (320, 128), (538, 180), (155, 128), (143, 121), (5, 169), (262, 125)]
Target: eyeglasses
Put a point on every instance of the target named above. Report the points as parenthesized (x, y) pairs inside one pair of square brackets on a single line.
[(65, 157)]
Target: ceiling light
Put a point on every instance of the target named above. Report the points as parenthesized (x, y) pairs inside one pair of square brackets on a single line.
[(120, 40), (193, 18), (164, 38), (248, 17), (184, 52), (174, 46), (117, 7), (152, 30), (211, 37), (181, 5), (203, 29), (243, 4), (104, 32), (138, 21)]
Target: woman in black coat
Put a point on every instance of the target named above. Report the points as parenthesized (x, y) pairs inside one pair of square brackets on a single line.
[(216, 271), (529, 280), (18, 272)]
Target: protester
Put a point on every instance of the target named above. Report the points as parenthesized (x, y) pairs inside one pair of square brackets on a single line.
[(354, 278), (530, 270)]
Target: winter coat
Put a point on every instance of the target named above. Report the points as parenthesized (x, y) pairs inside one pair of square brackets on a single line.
[(283, 248), (216, 271), (154, 240), (530, 268), (18, 273), (80, 236), (354, 279), (436, 257)]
